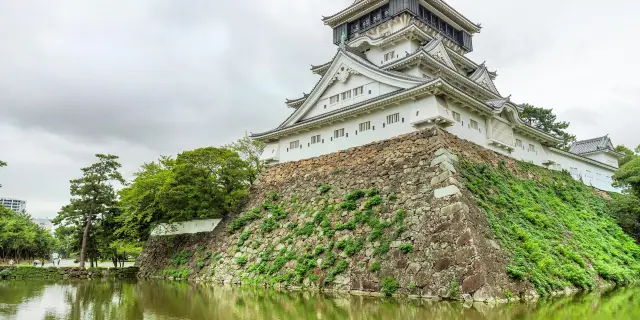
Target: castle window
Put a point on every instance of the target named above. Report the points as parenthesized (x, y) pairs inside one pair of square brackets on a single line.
[(358, 91), (389, 56), (532, 148), (315, 139), (334, 99), (518, 143), (473, 124), (393, 118), (365, 126), (338, 133), (456, 116), (345, 95), (294, 144)]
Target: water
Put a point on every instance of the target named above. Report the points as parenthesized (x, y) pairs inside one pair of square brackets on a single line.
[(172, 300)]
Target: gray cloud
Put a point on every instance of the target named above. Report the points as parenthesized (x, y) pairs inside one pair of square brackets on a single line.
[(150, 77)]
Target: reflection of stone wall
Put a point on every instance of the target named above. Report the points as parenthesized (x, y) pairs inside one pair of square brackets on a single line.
[(20, 273), (452, 252)]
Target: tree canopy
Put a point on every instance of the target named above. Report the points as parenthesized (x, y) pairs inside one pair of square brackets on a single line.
[(2, 164), (628, 176), (21, 238), (93, 204), (202, 183), (545, 120), (250, 151), (629, 154)]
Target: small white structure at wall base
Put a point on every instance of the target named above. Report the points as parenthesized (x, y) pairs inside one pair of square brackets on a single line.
[(186, 227)]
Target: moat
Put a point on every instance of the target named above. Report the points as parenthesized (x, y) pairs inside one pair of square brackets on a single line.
[(178, 300)]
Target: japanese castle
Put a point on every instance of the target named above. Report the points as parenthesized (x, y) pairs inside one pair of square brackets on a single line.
[(401, 67)]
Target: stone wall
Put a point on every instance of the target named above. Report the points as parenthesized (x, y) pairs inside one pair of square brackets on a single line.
[(39, 273), (415, 227)]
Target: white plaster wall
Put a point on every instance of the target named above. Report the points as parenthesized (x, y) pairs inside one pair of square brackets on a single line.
[(378, 132), (604, 158), (376, 54), (371, 89), (194, 226), (591, 174)]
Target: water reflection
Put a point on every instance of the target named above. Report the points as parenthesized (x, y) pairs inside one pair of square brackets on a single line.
[(172, 300)]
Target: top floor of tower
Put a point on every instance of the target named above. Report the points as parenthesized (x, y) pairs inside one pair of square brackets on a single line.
[(371, 19)]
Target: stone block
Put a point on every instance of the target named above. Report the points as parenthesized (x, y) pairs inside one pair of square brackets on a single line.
[(440, 178), (452, 208), (446, 166), (446, 191), (443, 151), (441, 159), (473, 283)]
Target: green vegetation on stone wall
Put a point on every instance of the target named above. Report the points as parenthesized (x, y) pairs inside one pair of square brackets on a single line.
[(558, 231), (319, 264)]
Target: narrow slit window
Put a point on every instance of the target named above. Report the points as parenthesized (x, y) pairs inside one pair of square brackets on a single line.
[(358, 91)]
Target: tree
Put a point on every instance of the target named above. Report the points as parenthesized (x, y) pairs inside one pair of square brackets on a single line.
[(626, 211), (202, 183), (21, 238), (250, 151), (629, 154), (545, 120), (140, 201), (628, 176), (2, 164), (93, 198)]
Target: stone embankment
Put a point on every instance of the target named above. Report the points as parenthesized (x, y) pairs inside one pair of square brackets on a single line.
[(53, 273), (390, 217)]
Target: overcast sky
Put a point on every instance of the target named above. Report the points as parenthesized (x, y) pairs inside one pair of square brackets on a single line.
[(145, 78)]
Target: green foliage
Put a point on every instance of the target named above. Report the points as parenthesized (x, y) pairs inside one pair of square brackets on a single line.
[(626, 210), (22, 238), (558, 231), (373, 192), (329, 260), (178, 273), (349, 205), (406, 248), (93, 207), (272, 196), (324, 189), (249, 151), (374, 267), (385, 244), (392, 197), (628, 176), (181, 258), (201, 183), (243, 237), (374, 201), (454, 289), (355, 195), (350, 225), (242, 220), (389, 286), (508, 294), (545, 120), (241, 260), (306, 230), (349, 246), (338, 269), (268, 225)]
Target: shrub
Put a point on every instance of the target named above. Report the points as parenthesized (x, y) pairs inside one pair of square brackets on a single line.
[(349, 205), (351, 225), (243, 219), (354, 195), (454, 289), (376, 200), (268, 225), (243, 237), (272, 196), (373, 192), (406, 248), (389, 286), (324, 189), (350, 246), (374, 267), (306, 230)]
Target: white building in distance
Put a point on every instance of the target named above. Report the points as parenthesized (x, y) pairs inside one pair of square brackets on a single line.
[(14, 205), (44, 224), (401, 67)]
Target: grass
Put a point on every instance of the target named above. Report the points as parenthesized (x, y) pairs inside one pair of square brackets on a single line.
[(558, 231)]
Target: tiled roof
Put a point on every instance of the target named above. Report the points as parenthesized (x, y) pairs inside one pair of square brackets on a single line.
[(592, 145), (498, 103)]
